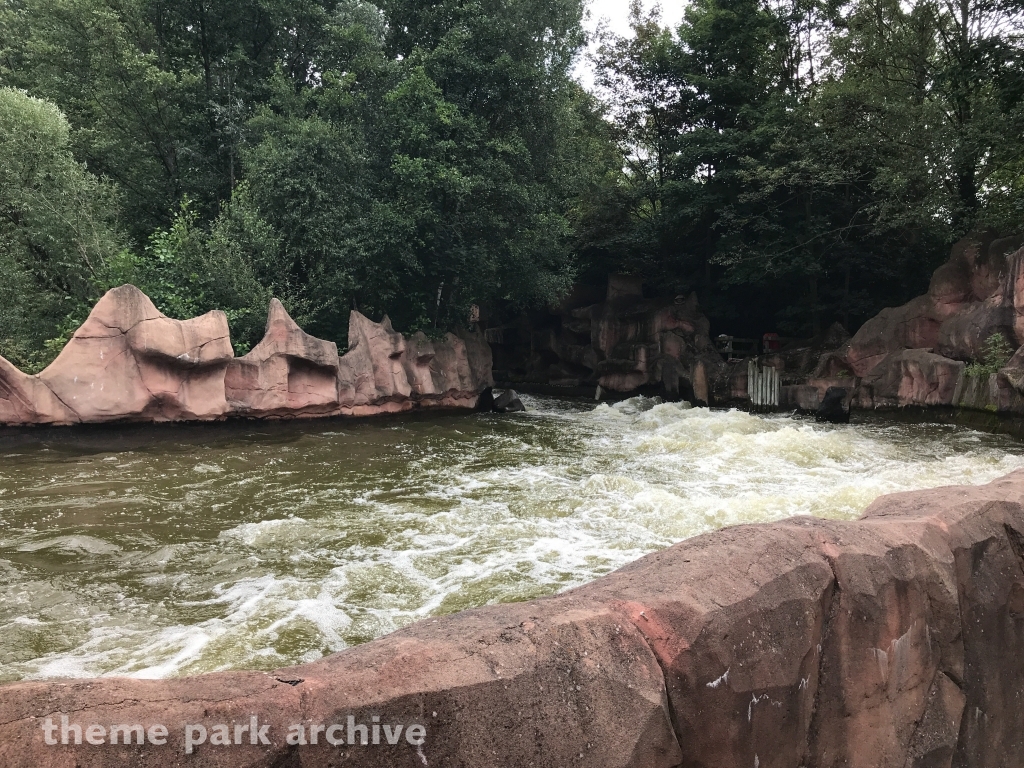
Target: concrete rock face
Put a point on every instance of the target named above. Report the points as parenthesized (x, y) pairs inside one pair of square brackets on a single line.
[(896, 640), (128, 362), (615, 339), (384, 372), (911, 377), (916, 355), (288, 373), (971, 296)]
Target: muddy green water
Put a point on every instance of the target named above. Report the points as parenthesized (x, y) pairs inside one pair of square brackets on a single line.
[(156, 551)]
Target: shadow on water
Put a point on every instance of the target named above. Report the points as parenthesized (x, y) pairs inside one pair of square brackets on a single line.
[(132, 436)]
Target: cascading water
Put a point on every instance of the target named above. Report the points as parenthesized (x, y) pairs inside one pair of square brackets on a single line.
[(156, 551)]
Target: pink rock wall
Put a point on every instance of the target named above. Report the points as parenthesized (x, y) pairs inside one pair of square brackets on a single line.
[(971, 296), (128, 362), (894, 641), (916, 355), (289, 373)]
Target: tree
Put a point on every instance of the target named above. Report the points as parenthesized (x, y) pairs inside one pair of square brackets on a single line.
[(932, 90), (58, 229)]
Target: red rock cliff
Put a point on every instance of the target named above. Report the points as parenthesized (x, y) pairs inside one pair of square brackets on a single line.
[(128, 362)]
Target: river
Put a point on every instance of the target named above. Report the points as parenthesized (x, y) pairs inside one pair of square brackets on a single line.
[(167, 550)]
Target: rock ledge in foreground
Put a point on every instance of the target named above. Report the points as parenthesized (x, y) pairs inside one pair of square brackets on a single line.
[(894, 641)]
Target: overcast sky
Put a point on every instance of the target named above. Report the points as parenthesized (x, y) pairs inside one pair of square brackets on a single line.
[(616, 13)]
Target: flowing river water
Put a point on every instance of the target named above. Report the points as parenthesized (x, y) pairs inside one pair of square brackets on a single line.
[(167, 550)]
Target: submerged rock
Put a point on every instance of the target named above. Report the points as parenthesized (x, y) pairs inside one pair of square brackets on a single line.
[(835, 406), (893, 640), (508, 402)]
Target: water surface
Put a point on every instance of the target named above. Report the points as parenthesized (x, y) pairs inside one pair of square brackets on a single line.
[(161, 550)]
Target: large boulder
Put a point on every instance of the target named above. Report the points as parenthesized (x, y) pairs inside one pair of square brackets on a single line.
[(890, 642), (289, 373), (508, 402), (963, 336), (371, 371), (129, 362), (643, 343)]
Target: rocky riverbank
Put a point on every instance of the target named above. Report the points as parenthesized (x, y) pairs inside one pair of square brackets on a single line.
[(959, 346), (894, 640), (128, 362)]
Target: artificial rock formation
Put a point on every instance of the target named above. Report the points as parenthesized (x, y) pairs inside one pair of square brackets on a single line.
[(615, 339), (971, 296), (918, 354), (288, 373), (894, 641), (128, 362)]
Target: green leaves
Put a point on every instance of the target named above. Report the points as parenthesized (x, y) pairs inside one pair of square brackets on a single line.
[(58, 228), (188, 271), (800, 162), (399, 158), (995, 354)]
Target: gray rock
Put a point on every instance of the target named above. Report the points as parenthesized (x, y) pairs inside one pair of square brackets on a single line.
[(508, 402)]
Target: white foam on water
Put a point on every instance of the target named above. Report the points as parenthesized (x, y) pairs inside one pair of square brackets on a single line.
[(274, 554)]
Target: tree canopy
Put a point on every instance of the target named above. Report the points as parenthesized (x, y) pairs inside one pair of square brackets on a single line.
[(795, 162), (798, 161)]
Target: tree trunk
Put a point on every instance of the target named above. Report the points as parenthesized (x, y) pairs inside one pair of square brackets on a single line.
[(846, 297), (815, 319)]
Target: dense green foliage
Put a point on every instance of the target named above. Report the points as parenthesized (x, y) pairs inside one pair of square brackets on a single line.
[(404, 158), (794, 161), (57, 227), (995, 354), (802, 161)]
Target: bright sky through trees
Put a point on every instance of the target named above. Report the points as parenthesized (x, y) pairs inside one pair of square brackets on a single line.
[(616, 14)]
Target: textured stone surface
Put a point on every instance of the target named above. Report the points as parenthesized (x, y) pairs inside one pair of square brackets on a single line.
[(128, 362), (289, 373), (911, 377), (620, 341), (384, 372), (977, 292), (912, 326), (896, 640), (799, 397), (914, 354), (25, 399)]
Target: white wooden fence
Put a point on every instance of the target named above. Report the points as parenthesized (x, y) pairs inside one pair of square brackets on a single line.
[(764, 387)]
